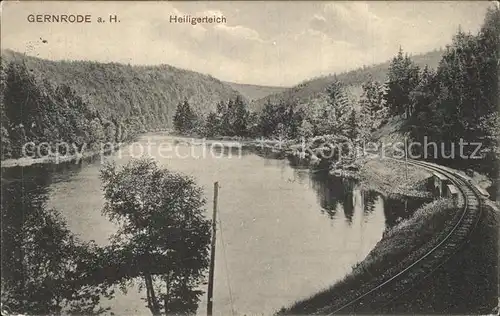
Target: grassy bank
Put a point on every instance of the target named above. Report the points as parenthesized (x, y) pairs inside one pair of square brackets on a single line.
[(397, 248), (391, 177)]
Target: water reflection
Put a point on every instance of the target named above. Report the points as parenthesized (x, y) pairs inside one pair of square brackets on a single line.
[(257, 199), (33, 238), (227, 151), (369, 200), (334, 193), (25, 188), (268, 152), (337, 194), (24, 196), (300, 175)]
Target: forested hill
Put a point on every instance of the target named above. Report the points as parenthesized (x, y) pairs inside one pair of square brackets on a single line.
[(46, 100), (115, 88), (311, 89), (255, 92)]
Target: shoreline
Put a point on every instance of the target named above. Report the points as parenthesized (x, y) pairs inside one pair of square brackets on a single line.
[(361, 168), (58, 159), (400, 243), (26, 162)]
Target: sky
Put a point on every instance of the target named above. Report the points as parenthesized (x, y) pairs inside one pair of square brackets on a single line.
[(264, 43)]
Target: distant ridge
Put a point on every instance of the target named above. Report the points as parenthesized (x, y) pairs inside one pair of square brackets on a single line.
[(311, 89), (115, 89), (90, 103), (254, 92)]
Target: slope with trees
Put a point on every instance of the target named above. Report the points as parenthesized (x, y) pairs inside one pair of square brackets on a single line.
[(253, 92), (88, 102), (313, 89), (229, 119), (459, 101)]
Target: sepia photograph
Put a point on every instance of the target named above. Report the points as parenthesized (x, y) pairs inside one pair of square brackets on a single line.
[(248, 158)]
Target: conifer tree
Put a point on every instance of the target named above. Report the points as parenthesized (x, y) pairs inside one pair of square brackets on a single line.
[(336, 113), (239, 117), (402, 79), (184, 118), (353, 125)]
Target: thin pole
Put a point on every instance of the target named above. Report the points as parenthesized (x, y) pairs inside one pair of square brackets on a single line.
[(212, 253), (406, 158)]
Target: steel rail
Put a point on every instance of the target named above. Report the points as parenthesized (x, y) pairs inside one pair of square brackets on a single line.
[(461, 184)]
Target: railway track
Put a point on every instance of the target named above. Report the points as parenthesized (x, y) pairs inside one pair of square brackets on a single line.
[(429, 257)]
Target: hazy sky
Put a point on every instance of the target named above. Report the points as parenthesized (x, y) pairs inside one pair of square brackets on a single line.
[(268, 43)]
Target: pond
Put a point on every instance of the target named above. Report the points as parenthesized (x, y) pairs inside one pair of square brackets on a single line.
[(284, 232)]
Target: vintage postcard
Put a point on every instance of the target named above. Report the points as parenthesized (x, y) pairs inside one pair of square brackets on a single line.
[(250, 157)]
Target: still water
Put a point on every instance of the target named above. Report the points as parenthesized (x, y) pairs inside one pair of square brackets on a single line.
[(284, 233)]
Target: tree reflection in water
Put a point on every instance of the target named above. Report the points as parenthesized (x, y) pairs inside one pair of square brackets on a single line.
[(369, 200), (336, 193), (43, 264)]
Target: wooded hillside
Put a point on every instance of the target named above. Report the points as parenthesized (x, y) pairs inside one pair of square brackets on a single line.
[(353, 80), (82, 101), (255, 92)]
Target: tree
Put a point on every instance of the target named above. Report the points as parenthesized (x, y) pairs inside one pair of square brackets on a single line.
[(97, 136), (163, 237), (221, 123), (184, 118), (239, 117), (424, 94), (296, 117), (489, 54), (253, 124), (268, 119), (353, 126), (305, 129), (223, 115), (335, 115), (211, 125), (282, 119), (21, 98), (372, 98), (373, 107), (402, 79), (6, 144), (459, 100), (109, 130), (44, 266)]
